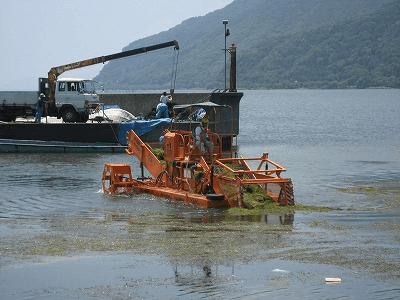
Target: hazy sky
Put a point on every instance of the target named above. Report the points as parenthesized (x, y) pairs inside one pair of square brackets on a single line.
[(36, 35)]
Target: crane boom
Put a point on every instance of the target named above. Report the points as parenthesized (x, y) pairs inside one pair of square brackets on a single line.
[(57, 71)]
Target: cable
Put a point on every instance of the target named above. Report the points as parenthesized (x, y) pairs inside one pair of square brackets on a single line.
[(174, 69)]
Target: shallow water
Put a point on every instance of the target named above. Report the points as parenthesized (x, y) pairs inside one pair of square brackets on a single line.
[(62, 238)]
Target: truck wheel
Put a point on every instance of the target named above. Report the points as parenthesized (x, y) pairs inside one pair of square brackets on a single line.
[(69, 115), (83, 117), (4, 117)]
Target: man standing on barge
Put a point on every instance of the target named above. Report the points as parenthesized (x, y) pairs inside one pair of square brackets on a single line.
[(165, 98), (162, 107)]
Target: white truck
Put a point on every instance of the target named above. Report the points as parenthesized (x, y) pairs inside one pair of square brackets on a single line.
[(67, 98), (74, 99)]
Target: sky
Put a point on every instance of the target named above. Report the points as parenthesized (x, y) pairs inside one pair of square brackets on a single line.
[(36, 35)]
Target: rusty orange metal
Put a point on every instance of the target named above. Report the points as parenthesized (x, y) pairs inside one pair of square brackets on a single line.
[(211, 179)]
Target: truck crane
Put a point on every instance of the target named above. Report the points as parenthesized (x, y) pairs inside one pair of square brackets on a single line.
[(70, 99)]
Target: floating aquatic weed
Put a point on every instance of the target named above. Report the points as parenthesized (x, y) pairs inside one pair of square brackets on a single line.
[(159, 153), (364, 189)]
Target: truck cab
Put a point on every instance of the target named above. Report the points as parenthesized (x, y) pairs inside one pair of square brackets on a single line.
[(75, 99)]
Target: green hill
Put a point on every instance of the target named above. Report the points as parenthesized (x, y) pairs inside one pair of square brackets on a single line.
[(280, 44)]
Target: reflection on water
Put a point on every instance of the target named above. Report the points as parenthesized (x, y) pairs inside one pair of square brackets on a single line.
[(207, 279), (143, 277), (273, 219), (283, 219)]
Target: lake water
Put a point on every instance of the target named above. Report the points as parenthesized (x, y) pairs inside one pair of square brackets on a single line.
[(62, 238)]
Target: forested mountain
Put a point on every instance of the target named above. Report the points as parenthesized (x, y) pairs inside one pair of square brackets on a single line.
[(280, 44)]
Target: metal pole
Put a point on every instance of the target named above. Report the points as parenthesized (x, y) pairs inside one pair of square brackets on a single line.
[(226, 33), (225, 57)]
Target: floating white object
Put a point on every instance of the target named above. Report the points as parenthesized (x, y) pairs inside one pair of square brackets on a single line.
[(279, 270), (333, 280)]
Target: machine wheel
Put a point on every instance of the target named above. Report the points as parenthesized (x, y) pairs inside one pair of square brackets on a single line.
[(69, 115), (106, 181), (286, 196)]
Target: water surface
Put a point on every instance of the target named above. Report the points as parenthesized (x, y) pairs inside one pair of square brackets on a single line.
[(62, 238)]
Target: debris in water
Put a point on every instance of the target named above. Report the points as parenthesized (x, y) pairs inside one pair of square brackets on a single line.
[(280, 271), (333, 280)]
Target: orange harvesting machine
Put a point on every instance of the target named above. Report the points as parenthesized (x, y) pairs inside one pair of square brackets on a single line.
[(184, 173)]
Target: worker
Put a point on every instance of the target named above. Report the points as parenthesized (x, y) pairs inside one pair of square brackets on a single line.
[(165, 98), (202, 139), (163, 107), (38, 107), (162, 110)]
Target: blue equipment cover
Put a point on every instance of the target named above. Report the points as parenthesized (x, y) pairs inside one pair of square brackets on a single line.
[(139, 126)]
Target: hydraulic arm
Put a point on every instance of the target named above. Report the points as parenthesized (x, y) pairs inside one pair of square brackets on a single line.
[(57, 71)]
